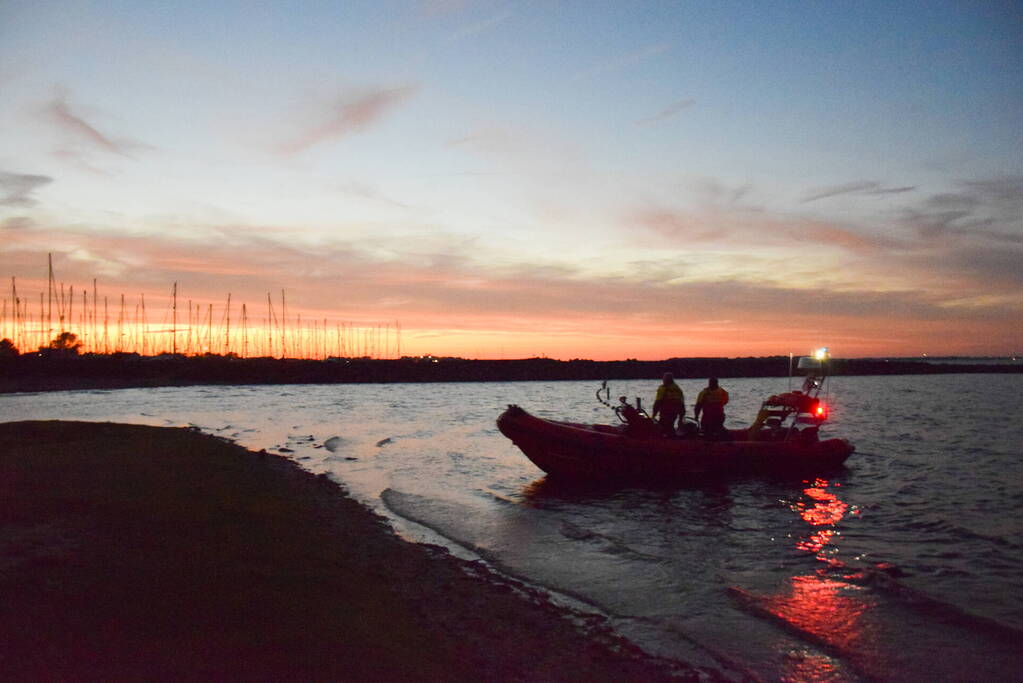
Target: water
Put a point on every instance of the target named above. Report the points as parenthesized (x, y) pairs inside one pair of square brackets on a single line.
[(907, 565)]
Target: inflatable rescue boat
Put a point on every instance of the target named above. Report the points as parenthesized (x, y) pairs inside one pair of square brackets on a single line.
[(784, 438)]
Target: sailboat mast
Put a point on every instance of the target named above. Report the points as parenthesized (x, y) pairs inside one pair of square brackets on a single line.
[(120, 326), (227, 333), (60, 307), (14, 300), (106, 329), (174, 321), (284, 327), (49, 296), (145, 325), (269, 326)]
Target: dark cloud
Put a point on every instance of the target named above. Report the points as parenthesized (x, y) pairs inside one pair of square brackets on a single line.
[(862, 187), (1007, 191), (724, 196), (972, 270), (999, 266), (349, 114), (894, 190), (16, 188), (986, 209)]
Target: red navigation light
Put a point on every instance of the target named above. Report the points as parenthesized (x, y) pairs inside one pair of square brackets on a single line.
[(822, 411)]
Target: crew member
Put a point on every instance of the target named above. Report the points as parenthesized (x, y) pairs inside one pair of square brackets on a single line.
[(711, 403), (670, 404)]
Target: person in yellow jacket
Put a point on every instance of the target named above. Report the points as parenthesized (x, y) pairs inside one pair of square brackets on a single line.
[(669, 404), (711, 404)]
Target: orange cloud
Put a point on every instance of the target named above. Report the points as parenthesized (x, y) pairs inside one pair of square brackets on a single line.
[(451, 300)]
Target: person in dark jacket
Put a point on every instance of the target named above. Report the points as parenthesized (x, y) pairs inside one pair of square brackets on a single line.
[(710, 408), (669, 404)]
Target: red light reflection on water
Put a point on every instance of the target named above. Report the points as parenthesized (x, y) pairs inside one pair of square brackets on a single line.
[(826, 610), (803, 666), (816, 542), (820, 508)]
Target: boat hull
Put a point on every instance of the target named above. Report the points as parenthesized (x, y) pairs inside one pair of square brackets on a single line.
[(578, 451)]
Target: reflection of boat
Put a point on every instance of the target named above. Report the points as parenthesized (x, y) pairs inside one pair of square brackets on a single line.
[(783, 439)]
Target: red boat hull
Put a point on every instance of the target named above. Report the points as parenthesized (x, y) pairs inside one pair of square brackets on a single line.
[(579, 451)]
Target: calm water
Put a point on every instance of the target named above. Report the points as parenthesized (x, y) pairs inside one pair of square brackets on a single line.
[(907, 565)]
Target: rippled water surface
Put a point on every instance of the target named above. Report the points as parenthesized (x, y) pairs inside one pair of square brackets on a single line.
[(907, 565)]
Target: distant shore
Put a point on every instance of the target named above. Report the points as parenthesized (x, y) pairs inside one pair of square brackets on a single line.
[(32, 372), (144, 553)]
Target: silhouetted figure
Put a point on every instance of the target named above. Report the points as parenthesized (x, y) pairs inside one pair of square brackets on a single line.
[(670, 404), (711, 404)]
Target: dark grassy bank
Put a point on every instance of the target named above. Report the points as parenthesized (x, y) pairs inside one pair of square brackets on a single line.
[(139, 553), (32, 372)]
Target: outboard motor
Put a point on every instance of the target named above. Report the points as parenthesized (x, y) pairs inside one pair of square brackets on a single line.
[(637, 422)]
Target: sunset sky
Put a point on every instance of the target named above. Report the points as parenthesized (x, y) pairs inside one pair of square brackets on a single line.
[(510, 179)]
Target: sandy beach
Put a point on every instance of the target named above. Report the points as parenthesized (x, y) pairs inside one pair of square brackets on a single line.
[(142, 553)]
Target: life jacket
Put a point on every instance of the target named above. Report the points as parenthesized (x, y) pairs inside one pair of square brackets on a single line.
[(670, 394), (712, 399)]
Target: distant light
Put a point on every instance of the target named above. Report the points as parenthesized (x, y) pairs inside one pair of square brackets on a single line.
[(821, 353)]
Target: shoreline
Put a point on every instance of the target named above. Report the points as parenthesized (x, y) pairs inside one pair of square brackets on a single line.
[(162, 553), (56, 372)]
